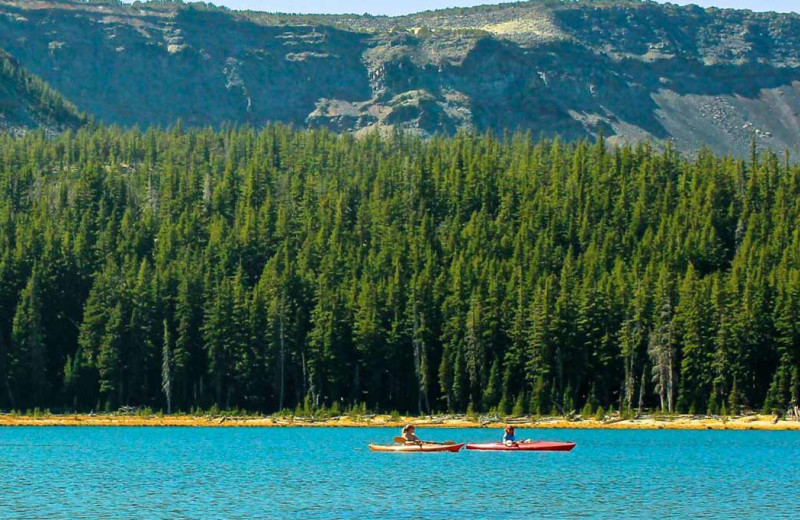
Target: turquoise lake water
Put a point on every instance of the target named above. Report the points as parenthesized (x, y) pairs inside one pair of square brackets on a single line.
[(125, 473)]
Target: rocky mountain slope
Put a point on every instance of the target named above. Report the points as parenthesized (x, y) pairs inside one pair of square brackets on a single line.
[(26, 102), (633, 70)]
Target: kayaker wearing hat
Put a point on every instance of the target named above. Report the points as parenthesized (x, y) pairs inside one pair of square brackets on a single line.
[(409, 435), (509, 439)]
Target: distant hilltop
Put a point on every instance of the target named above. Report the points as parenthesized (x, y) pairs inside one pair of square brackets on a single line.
[(631, 70)]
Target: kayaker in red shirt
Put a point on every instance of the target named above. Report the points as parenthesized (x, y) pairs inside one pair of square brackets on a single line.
[(409, 435), (509, 439)]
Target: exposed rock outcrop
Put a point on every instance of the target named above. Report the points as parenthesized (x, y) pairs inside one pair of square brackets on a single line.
[(633, 70)]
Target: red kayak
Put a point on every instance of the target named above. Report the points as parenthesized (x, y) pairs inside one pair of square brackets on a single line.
[(523, 446)]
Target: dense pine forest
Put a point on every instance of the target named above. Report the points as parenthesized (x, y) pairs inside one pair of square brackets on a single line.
[(262, 269)]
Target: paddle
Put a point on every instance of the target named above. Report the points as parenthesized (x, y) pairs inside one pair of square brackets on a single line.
[(402, 440)]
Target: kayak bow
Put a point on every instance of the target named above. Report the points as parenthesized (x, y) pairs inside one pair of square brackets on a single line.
[(522, 446), (415, 448)]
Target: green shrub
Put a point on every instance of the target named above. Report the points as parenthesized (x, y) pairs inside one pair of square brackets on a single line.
[(519, 406), (599, 414), (502, 408), (568, 404), (357, 411), (713, 409), (308, 407), (471, 414)]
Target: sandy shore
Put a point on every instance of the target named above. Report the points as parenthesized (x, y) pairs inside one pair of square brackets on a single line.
[(683, 422)]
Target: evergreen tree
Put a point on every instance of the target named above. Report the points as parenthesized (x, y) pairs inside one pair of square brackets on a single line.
[(29, 352), (110, 360), (304, 268), (696, 363)]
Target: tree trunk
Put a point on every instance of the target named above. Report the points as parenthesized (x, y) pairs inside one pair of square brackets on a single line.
[(282, 365), (218, 387), (357, 382), (419, 366), (642, 389), (629, 382), (303, 368), (670, 385), (10, 392)]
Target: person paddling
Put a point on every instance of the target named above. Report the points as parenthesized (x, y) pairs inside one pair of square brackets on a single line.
[(409, 435), (509, 439)]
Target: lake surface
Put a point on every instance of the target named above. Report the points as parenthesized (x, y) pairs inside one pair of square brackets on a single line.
[(124, 473)]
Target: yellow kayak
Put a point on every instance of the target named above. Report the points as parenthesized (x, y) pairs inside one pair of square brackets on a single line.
[(416, 448)]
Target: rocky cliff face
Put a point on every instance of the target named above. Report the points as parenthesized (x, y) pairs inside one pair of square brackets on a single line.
[(633, 70)]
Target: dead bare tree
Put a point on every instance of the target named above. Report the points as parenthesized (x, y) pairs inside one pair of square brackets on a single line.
[(661, 348)]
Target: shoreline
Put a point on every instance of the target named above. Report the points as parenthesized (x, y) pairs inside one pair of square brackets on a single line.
[(681, 422)]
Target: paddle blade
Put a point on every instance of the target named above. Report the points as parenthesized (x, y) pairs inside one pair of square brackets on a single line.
[(402, 440)]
